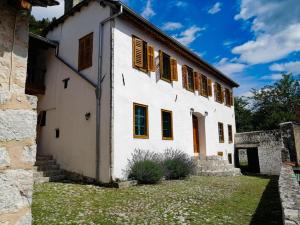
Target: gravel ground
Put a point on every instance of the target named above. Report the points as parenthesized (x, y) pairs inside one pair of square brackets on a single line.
[(197, 200)]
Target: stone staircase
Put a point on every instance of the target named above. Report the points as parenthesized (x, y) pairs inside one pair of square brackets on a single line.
[(46, 170), (215, 166)]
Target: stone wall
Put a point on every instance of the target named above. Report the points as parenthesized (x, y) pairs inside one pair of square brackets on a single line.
[(269, 145), (17, 119), (289, 195)]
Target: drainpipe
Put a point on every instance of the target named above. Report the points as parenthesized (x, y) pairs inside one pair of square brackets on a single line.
[(99, 88)]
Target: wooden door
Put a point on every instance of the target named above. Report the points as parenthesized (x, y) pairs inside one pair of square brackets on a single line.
[(196, 135)]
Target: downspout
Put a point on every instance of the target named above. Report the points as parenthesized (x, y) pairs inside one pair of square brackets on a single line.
[(99, 88)]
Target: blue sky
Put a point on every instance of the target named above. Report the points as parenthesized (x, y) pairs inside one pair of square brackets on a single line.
[(252, 41)]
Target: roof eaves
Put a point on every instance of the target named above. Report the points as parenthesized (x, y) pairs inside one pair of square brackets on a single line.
[(44, 3), (43, 39)]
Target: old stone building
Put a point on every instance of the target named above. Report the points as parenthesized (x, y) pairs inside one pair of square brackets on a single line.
[(17, 113)]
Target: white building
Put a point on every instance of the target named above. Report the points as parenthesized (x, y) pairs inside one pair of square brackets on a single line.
[(116, 83)]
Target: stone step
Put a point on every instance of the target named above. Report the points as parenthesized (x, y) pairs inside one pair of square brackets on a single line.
[(44, 157), (219, 173), (57, 178), (46, 167), (45, 162), (41, 180), (51, 173)]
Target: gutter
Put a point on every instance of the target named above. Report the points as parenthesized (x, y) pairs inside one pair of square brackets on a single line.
[(100, 79)]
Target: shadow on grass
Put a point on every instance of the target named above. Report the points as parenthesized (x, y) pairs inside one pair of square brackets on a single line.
[(268, 210)]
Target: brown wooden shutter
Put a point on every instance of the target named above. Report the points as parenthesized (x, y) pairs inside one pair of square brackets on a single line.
[(222, 94), (231, 99), (184, 76), (200, 90), (138, 60), (174, 72), (151, 59), (216, 91), (196, 81), (85, 53), (161, 63), (209, 87)]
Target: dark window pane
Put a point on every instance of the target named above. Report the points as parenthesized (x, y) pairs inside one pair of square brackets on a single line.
[(204, 86), (145, 56), (167, 124), (166, 66), (190, 78), (140, 120)]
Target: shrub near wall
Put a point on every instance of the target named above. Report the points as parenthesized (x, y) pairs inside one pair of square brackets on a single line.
[(145, 167), (177, 164)]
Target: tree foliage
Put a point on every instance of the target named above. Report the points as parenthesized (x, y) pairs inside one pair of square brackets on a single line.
[(37, 26), (269, 106)]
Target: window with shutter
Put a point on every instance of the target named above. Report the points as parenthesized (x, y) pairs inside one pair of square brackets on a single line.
[(209, 86), (231, 99), (222, 95), (85, 52), (165, 66), (184, 76), (174, 72), (141, 58), (197, 82), (227, 97), (218, 93), (190, 79)]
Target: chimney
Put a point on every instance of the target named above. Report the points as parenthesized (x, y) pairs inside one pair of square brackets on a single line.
[(69, 4)]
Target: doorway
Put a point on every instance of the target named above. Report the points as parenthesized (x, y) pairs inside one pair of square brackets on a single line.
[(196, 136)]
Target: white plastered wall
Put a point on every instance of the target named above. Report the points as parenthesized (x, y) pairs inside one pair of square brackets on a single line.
[(148, 89), (75, 149)]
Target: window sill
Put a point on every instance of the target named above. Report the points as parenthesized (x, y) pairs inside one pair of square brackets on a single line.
[(167, 138), (142, 70), (140, 137)]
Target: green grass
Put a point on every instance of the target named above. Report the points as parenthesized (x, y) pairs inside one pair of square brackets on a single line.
[(198, 200)]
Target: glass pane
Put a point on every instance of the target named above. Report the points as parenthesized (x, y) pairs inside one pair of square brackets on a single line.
[(167, 124), (190, 79), (166, 67), (140, 120)]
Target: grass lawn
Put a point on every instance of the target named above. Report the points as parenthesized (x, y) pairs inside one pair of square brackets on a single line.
[(198, 200)]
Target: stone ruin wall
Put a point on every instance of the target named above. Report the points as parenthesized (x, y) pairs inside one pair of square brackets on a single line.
[(17, 119)]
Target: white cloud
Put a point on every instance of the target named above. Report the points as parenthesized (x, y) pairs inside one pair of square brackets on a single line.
[(148, 10), (275, 76), (181, 4), (215, 9), (189, 35), (230, 67), (276, 26), (290, 67), (170, 26)]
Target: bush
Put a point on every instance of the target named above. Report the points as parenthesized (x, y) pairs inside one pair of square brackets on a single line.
[(145, 167), (177, 164)]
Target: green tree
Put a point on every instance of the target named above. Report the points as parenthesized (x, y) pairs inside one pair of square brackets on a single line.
[(274, 104), (243, 115), (37, 26)]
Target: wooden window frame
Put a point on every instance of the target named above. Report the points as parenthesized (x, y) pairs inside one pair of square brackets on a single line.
[(161, 65), (81, 65), (230, 134), (221, 137), (187, 79), (147, 122), (162, 125)]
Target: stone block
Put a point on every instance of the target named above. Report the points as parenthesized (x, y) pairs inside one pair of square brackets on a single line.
[(5, 96), (16, 190), (29, 154), (32, 101), (25, 220), (4, 158), (17, 124)]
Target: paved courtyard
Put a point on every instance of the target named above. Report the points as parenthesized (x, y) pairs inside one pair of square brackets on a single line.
[(198, 200)]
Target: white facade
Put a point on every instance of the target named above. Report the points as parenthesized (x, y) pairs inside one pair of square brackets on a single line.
[(123, 85)]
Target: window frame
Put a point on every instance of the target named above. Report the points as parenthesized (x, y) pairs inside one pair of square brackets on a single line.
[(221, 136), (162, 125), (81, 66), (187, 79), (146, 136), (162, 68), (230, 133)]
